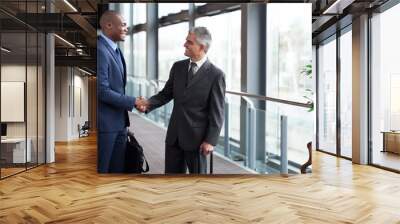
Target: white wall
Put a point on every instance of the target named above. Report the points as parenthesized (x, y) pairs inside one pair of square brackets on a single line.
[(12, 73), (33, 126), (71, 94)]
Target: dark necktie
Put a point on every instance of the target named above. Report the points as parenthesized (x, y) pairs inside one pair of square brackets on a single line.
[(191, 71), (119, 58)]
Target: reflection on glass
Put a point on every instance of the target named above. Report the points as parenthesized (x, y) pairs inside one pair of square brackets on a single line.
[(327, 96), (170, 47), (15, 150), (225, 47), (346, 94), (385, 86), (170, 8)]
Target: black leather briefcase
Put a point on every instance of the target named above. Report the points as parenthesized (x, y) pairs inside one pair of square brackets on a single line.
[(134, 156)]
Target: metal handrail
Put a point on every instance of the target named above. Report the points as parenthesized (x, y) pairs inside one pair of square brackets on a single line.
[(248, 101), (266, 98), (154, 83), (259, 97)]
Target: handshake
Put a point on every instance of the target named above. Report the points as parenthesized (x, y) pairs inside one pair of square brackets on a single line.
[(141, 104)]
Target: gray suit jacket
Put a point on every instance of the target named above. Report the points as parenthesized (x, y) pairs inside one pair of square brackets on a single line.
[(198, 111)]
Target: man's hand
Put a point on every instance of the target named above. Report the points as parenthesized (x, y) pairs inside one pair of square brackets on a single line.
[(141, 104), (206, 148)]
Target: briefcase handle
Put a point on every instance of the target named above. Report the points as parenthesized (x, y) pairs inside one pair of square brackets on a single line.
[(147, 166)]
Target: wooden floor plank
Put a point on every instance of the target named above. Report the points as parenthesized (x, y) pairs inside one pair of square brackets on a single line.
[(71, 191)]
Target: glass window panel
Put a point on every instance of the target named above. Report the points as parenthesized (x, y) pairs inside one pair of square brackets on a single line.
[(22, 81), (41, 98), (300, 129), (170, 47), (139, 13), (346, 93), (289, 50), (225, 54), (289, 76), (226, 43), (31, 101), (385, 87), (139, 54), (170, 8), (235, 152), (126, 12), (13, 82), (126, 48), (327, 96)]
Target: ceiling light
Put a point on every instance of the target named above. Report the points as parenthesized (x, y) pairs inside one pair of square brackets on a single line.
[(70, 5), (338, 6), (64, 40), (86, 72), (5, 50)]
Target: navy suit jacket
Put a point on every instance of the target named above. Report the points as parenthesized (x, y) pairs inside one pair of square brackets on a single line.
[(113, 104)]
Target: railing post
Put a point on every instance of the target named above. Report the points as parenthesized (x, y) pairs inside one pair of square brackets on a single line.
[(284, 159), (156, 114), (250, 134), (252, 139), (227, 147)]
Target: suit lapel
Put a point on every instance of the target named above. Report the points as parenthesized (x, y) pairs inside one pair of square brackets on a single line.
[(200, 74), (112, 52), (185, 73)]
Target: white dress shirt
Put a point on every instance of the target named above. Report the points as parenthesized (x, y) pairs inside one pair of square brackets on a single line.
[(199, 63)]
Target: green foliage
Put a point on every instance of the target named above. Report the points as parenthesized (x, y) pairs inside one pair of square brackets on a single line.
[(307, 72)]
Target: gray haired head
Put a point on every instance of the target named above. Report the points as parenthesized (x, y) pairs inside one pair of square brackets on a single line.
[(203, 36)]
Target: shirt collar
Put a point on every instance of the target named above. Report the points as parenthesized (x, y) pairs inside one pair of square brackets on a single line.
[(110, 42), (200, 62)]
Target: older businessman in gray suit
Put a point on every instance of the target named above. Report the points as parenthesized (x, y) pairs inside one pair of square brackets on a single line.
[(198, 90)]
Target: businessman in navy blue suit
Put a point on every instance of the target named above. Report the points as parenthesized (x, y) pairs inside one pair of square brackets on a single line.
[(113, 104)]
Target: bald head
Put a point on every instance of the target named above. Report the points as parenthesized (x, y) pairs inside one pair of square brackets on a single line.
[(113, 25)]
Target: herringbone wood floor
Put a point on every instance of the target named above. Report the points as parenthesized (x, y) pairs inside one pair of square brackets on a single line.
[(70, 191)]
